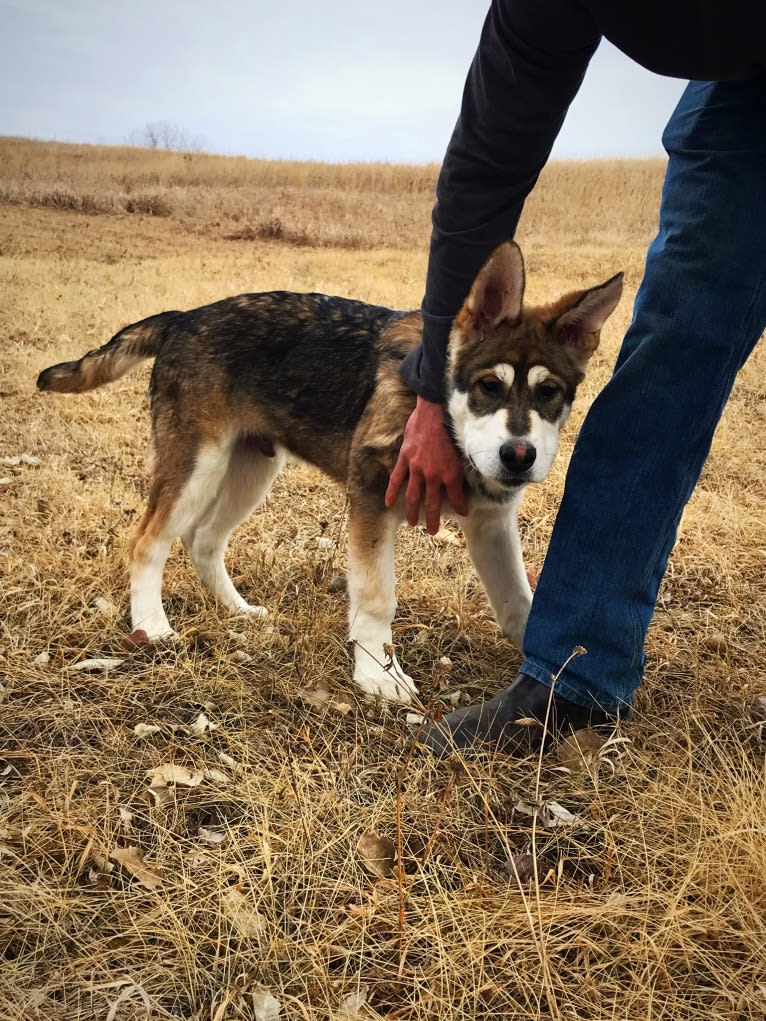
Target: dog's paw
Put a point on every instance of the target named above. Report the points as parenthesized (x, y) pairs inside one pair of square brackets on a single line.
[(167, 637), (514, 625), (514, 634), (389, 683), (155, 630), (256, 612)]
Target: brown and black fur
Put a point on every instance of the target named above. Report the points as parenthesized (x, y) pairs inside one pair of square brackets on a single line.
[(239, 384), (241, 364)]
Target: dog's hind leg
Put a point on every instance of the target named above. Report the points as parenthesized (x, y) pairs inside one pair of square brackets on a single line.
[(181, 490), (372, 601), (493, 542), (246, 483)]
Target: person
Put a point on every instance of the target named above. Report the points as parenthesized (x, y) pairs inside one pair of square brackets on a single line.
[(699, 311)]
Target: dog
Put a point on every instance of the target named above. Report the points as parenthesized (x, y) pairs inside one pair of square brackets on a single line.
[(241, 385)]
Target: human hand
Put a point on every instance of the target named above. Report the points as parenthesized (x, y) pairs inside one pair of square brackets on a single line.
[(429, 464)]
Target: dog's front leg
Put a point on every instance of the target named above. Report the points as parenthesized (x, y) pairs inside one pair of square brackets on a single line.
[(492, 538), (372, 601)]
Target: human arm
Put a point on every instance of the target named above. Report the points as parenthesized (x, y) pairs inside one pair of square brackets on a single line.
[(529, 64)]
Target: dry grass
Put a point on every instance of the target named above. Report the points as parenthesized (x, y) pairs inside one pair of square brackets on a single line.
[(652, 904), (355, 206)]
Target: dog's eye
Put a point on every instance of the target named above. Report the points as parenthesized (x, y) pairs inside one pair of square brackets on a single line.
[(547, 391), (491, 386)]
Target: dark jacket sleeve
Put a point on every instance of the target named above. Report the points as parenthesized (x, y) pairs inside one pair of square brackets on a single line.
[(531, 59)]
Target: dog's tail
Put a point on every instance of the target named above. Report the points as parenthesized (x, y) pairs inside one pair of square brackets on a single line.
[(104, 364)]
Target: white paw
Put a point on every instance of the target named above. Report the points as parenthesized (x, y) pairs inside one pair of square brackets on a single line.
[(168, 636), (256, 612), (389, 682), (156, 627), (514, 626)]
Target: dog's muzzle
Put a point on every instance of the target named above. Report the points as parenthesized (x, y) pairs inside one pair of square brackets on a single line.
[(517, 457)]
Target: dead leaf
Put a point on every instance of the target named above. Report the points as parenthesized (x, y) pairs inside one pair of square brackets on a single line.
[(521, 867), (716, 642), (211, 834), (132, 859), (170, 773), (144, 730), (242, 913), (580, 751), (164, 778), (96, 665), (202, 726), (378, 854), (550, 814), (104, 606), (265, 1006), (227, 760), (17, 459), (354, 1002), (317, 696), (100, 868)]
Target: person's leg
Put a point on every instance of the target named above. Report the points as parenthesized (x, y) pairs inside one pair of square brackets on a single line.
[(700, 309)]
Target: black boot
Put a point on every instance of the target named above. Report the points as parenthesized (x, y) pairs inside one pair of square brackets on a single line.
[(494, 722)]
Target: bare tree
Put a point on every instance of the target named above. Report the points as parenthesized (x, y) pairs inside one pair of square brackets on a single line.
[(166, 135)]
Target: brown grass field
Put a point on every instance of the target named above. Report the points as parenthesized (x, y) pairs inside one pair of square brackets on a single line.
[(237, 876)]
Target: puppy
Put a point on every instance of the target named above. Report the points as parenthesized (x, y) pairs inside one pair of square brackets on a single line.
[(241, 385)]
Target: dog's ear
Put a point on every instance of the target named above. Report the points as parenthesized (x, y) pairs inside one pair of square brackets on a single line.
[(585, 312), (497, 291)]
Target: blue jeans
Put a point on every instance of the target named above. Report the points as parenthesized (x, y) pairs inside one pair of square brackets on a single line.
[(699, 311)]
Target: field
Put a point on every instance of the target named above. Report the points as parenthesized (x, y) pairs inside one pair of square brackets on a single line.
[(179, 834)]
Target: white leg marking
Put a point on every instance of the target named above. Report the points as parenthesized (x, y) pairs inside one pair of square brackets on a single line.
[(245, 485), (372, 605), (492, 539), (146, 611)]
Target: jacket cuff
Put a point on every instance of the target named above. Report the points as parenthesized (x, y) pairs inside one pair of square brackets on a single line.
[(423, 369)]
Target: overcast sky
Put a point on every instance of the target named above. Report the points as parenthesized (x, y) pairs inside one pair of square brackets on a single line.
[(333, 80)]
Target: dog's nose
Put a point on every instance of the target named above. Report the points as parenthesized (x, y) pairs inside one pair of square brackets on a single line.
[(517, 455)]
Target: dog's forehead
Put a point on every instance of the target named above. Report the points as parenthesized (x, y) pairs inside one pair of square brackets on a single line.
[(520, 346)]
